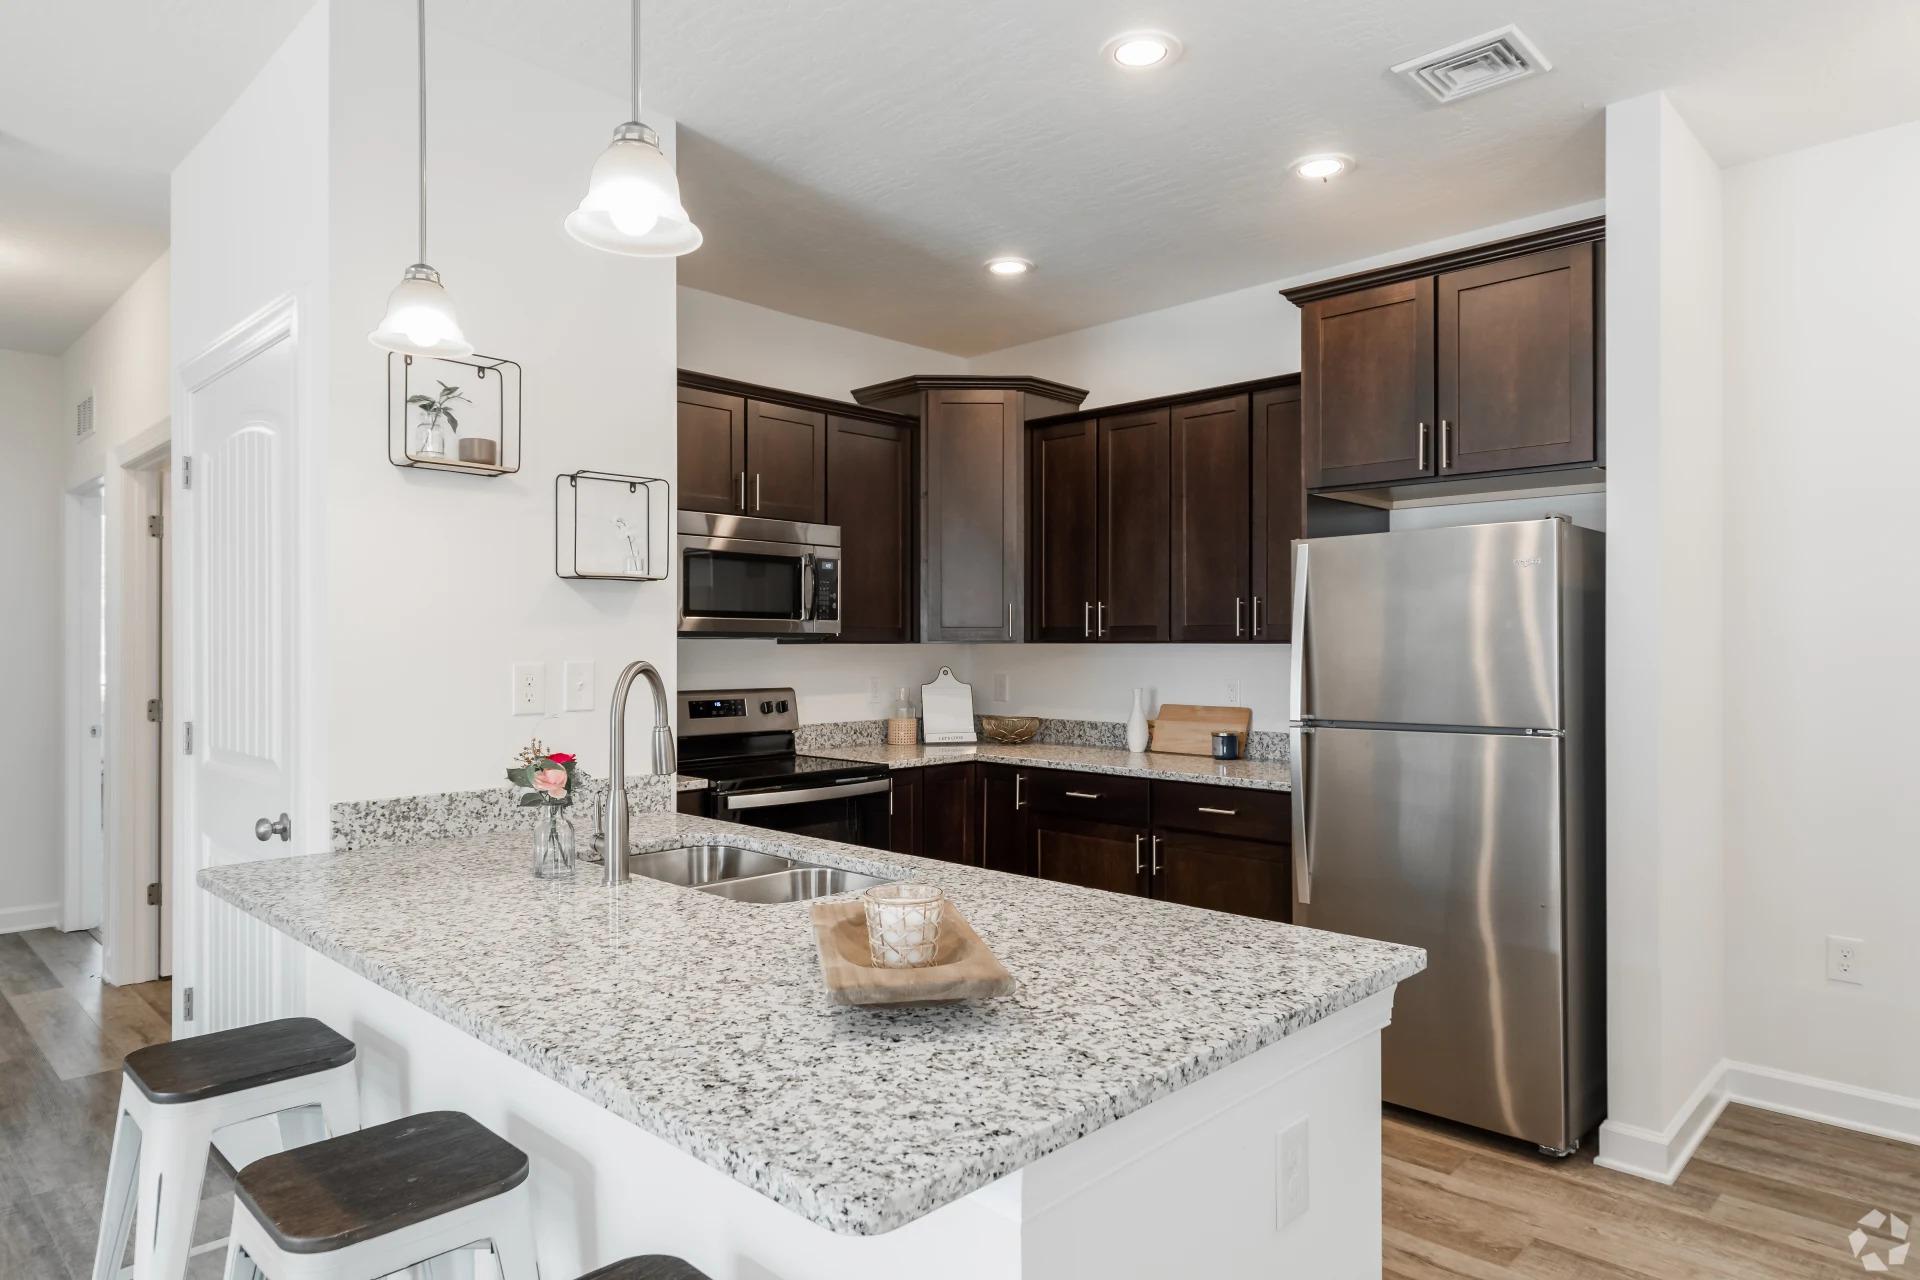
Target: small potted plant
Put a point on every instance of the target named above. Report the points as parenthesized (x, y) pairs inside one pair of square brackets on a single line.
[(435, 419), (546, 781)]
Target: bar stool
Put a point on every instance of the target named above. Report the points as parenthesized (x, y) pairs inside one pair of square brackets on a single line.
[(172, 1099), (367, 1204), (655, 1266)]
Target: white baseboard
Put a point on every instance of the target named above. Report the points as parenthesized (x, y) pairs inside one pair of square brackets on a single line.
[(1887, 1115), (1660, 1156), (44, 915)]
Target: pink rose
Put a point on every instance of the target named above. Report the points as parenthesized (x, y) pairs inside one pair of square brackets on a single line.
[(551, 781)]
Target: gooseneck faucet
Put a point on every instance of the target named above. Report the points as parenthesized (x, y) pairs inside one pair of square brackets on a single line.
[(615, 849)]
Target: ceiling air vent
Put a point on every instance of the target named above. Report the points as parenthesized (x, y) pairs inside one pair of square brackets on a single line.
[(1496, 58), (83, 419)]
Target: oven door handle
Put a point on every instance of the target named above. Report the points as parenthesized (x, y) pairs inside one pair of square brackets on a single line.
[(775, 799)]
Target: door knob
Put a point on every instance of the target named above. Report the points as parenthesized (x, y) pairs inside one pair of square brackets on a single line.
[(267, 828)]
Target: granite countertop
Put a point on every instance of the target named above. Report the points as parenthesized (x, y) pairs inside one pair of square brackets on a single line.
[(703, 1021), (1262, 775), (681, 782)]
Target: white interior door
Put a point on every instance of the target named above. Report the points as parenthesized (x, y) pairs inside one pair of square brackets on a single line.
[(169, 716), (239, 545)]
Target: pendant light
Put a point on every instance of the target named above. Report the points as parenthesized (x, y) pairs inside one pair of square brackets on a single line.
[(419, 319), (633, 204)]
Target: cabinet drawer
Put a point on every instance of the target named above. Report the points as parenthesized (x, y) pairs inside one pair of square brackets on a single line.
[(1102, 797), (1240, 812)]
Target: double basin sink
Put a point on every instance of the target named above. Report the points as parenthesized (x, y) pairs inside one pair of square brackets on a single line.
[(746, 875)]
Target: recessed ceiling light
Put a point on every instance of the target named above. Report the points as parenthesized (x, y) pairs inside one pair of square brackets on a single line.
[(1322, 167), (1009, 266), (1139, 50)]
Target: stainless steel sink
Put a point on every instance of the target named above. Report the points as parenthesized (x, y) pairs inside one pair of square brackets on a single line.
[(798, 883), (696, 865)]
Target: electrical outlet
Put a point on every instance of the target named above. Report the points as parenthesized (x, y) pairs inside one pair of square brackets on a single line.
[(1002, 688), (1846, 960), (1233, 693), (1293, 1183), (873, 691), (578, 680), (529, 689)]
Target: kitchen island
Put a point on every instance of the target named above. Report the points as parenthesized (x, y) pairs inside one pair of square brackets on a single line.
[(669, 1061)]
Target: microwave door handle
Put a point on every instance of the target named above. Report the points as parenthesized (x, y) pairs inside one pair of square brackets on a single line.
[(806, 587)]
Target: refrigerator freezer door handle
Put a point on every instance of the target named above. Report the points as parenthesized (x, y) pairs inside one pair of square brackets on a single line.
[(1297, 657), (1297, 776)]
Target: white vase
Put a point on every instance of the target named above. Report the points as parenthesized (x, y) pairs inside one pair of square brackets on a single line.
[(1137, 722)]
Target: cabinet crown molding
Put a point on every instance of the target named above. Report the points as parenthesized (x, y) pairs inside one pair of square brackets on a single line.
[(793, 399), (896, 388), (1550, 238)]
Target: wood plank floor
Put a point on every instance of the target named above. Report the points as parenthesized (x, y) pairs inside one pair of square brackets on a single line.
[(63, 1033), (1766, 1197)]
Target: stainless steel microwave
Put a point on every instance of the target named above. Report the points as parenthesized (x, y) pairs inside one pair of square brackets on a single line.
[(744, 576)]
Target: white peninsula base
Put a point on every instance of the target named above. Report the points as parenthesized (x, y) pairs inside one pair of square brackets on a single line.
[(1189, 1186)]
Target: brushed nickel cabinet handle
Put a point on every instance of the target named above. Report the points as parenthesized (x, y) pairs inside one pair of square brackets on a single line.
[(1446, 445), (1137, 866), (1422, 446), (1225, 813), (1256, 617), (756, 491), (1018, 778), (1100, 619), (1084, 795), (743, 491), (1156, 855), (1086, 619), (1009, 619), (1239, 603)]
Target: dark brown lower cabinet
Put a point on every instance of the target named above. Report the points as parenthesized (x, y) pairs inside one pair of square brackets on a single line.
[(906, 811), (949, 814), (1246, 877), (1094, 855), (1003, 826), (690, 802)]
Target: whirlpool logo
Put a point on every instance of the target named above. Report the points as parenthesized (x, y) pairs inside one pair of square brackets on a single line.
[(1528, 562)]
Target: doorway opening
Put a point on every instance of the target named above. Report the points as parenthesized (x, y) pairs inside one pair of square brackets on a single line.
[(83, 902)]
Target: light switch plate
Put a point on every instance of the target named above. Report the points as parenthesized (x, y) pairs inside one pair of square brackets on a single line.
[(577, 678), (529, 689)]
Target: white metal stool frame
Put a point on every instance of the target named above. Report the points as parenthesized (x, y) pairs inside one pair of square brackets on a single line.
[(503, 1222), (160, 1152)]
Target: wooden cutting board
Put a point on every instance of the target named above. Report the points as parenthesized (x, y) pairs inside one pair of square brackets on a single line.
[(1187, 730), (963, 968)]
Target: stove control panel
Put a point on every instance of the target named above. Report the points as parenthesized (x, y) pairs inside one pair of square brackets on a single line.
[(703, 712)]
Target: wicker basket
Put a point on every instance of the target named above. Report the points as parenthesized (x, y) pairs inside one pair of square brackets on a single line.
[(903, 733)]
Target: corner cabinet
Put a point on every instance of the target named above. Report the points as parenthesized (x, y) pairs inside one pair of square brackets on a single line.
[(973, 487), (1482, 362)]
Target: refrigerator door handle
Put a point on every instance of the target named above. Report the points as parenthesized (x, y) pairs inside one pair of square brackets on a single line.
[(1297, 778), (1297, 655)]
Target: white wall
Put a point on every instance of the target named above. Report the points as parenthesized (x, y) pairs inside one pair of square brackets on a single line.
[(733, 339), (33, 429), (1665, 881), (1822, 606), (440, 582), (123, 361)]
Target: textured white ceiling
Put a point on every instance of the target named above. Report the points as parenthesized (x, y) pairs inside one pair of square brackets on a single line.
[(856, 161)]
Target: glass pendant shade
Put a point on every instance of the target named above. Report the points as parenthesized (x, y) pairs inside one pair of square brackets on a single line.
[(419, 320), (632, 205)]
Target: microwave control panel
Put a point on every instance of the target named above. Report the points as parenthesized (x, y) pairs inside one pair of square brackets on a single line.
[(826, 590)]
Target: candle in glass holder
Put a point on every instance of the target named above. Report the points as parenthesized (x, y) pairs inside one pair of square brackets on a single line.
[(903, 924)]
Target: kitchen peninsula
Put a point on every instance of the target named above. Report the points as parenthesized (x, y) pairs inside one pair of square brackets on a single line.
[(671, 1065)]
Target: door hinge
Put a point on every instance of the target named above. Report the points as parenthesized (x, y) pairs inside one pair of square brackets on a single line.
[(186, 745), (186, 1005), (153, 526), (153, 894), (186, 482), (153, 710)]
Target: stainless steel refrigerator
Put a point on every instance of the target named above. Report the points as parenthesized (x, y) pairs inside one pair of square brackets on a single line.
[(1448, 792)]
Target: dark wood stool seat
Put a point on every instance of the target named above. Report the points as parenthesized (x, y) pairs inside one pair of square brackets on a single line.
[(243, 1058), (655, 1266), (362, 1185)]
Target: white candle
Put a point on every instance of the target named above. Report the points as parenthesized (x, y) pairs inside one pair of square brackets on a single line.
[(903, 924)]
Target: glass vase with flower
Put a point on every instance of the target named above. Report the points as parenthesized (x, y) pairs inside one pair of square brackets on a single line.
[(547, 781)]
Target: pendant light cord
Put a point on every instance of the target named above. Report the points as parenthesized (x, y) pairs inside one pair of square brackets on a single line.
[(423, 131), (636, 60)]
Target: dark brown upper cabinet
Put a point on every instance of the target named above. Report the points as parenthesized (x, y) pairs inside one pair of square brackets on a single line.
[(1065, 475), (1469, 364), (1212, 574), (1516, 372), (973, 482), (1366, 366), (1279, 512), (870, 496), (713, 451), (786, 462), (1133, 601)]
